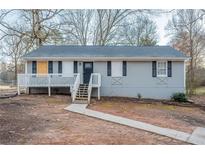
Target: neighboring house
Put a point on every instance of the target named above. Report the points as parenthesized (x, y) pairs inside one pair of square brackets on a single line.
[(125, 71)]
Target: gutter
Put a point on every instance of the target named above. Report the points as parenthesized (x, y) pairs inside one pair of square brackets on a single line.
[(107, 58)]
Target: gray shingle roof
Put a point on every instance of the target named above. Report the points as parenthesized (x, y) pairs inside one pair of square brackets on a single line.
[(64, 51)]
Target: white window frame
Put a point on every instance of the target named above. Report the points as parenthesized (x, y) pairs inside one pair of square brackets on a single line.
[(116, 68), (161, 75)]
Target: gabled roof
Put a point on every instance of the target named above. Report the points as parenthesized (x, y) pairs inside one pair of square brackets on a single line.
[(92, 52)]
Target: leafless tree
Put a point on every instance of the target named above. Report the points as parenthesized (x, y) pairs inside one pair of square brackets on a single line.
[(107, 22), (23, 30), (139, 31), (97, 27), (188, 35), (14, 48), (77, 24), (35, 25)]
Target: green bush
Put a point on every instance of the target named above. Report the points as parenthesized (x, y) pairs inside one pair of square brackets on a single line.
[(139, 96), (179, 97)]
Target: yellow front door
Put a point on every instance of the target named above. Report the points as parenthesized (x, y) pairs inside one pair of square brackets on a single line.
[(42, 67)]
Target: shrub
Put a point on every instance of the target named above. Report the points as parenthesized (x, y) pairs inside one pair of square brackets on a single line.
[(179, 97), (139, 96)]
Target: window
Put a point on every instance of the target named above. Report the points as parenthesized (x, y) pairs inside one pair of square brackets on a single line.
[(161, 69), (34, 68), (59, 67), (50, 67), (116, 69)]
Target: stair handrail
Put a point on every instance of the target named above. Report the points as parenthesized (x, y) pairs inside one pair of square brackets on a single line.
[(90, 87), (75, 87)]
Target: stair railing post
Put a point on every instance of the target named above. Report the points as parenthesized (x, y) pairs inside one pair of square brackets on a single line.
[(49, 85), (98, 93)]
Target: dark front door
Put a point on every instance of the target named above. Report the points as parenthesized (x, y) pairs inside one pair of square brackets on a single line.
[(87, 70)]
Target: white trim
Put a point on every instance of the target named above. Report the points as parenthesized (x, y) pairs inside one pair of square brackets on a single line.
[(166, 69), (106, 58)]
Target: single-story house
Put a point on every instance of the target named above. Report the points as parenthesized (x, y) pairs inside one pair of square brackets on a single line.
[(84, 71)]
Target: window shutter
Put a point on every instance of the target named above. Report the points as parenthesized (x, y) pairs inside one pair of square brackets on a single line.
[(34, 69), (59, 67), (124, 68), (154, 69), (109, 68), (75, 67), (169, 69), (50, 67)]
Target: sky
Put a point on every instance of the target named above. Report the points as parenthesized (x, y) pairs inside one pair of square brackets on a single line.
[(161, 22)]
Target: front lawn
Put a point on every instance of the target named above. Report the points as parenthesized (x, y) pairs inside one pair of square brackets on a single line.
[(40, 119)]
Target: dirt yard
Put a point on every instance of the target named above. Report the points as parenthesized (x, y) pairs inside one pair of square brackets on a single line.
[(180, 118), (39, 119)]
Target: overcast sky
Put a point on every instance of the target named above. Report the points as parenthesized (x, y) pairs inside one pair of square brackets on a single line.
[(161, 22)]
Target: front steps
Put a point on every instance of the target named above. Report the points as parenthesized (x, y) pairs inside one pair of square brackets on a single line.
[(82, 94)]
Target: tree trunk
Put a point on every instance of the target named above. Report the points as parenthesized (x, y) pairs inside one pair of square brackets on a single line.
[(15, 68), (192, 73), (36, 27)]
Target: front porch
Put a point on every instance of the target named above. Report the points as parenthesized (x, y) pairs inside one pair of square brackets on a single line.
[(26, 81)]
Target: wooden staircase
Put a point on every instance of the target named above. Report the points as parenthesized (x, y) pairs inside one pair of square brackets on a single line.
[(82, 94)]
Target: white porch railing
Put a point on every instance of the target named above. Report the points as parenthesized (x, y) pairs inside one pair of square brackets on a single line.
[(95, 81), (58, 80), (44, 80), (75, 87)]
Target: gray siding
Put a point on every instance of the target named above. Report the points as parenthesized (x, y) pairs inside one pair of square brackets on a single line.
[(139, 80)]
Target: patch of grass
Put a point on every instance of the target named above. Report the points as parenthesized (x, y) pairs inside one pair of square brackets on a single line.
[(200, 91), (158, 106), (53, 100), (107, 105)]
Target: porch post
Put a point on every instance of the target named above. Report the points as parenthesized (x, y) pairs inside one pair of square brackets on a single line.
[(49, 85), (98, 93), (49, 91), (26, 78), (18, 89)]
